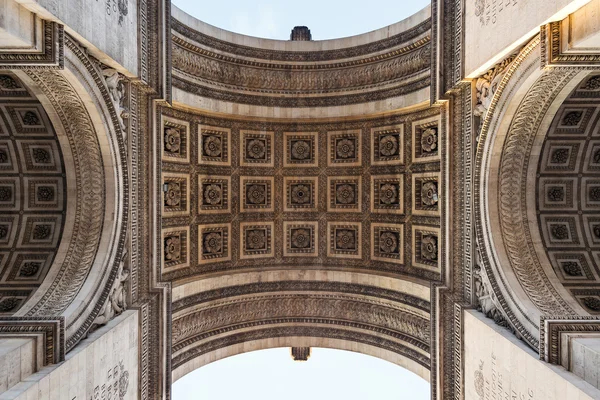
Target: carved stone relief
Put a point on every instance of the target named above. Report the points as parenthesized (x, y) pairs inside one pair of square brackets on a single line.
[(31, 224), (302, 195), (568, 194)]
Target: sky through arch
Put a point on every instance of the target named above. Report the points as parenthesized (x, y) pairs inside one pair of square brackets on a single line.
[(273, 19), (328, 374)]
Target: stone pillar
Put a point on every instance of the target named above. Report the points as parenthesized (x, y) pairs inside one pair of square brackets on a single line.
[(497, 365), (17, 27), (103, 366), (18, 360), (584, 360)]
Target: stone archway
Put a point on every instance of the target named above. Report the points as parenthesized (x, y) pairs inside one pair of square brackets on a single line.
[(514, 263), (386, 318), (80, 280)]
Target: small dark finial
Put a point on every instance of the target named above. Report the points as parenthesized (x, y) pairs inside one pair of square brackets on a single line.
[(300, 33)]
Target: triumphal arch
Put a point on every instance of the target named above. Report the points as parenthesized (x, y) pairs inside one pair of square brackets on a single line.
[(172, 194)]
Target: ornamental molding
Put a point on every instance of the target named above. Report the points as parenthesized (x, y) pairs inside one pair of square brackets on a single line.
[(90, 203), (90, 198), (300, 286), (513, 186), (497, 281), (552, 50), (281, 79), (209, 67), (47, 54), (552, 328), (207, 41), (411, 84), (52, 330), (215, 316), (304, 327)]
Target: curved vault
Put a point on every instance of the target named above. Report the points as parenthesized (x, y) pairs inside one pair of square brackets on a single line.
[(61, 140), (524, 195), (33, 193), (301, 193)]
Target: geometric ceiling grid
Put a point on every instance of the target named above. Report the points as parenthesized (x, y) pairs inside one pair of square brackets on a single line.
[(33, 194)]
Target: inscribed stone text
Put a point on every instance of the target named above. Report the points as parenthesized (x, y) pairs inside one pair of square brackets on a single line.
[(489, 11), (494, 387)]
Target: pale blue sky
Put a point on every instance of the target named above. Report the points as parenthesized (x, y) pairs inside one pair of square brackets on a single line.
[(327, 19), (329, 374)]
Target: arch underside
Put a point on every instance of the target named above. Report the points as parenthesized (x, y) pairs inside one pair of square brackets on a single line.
[(302, 194), (75, 285), (212, 324), (512, 240)]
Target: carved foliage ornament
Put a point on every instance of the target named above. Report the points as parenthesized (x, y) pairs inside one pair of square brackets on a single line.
[(89, 172)]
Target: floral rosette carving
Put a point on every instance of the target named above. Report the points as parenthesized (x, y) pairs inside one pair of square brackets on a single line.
[(3, 231), (559, 156), (555, 193), (213, 243), (256, 239), (172, 140), (345, 239), (29, 268), (388, 145), (301, 238), (559, 232), (595, 193), (213, 146), (172, 248), (7, 82), (41, 232), (8, 304), (429, 193), (213, 194), (5, 193), (41, 156), (388, 243), (256, 194), (429, 140), (45, 193), (572, 268), (593, 83), (30, 118), (572, 118), (345, 148), (3, 157), (388, 193), (429, 248), (301, 150), (593, 303), (300, 194), (345, 194), (173, 194), (256, 149)]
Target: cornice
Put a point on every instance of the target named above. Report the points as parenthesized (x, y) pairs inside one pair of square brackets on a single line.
[(300, 56)]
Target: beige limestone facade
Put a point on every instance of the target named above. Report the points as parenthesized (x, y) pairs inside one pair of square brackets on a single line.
[(172, 194)]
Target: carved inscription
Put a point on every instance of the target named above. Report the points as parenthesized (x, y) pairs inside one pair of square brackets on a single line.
[(491, 384), (116, 384), (118, 8), (489, 11)]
